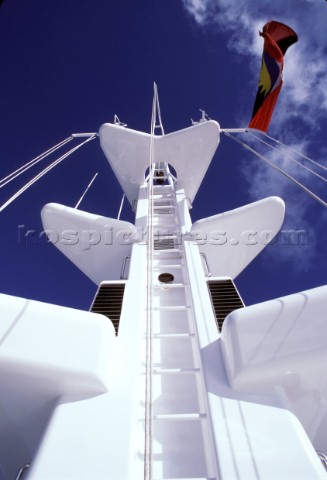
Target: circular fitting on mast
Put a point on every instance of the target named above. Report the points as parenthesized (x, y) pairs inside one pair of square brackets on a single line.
[(166, 277)]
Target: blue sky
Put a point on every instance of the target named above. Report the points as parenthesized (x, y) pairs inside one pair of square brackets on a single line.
[(69, 65)]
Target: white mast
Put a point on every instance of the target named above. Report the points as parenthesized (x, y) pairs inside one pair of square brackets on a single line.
[(171, 395)]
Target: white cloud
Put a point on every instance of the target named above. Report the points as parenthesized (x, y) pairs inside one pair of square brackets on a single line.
[(303, 101), (262, 181), (198, 9), (306, 63)]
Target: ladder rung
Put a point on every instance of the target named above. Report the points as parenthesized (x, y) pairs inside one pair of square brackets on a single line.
[(159, 202), (180, 416), (164, 207), (172, 307), (173, 335), (165, 225), (162, 196), (164, 267), (165, 235), (171, 250), (190, 478), (175, 371)]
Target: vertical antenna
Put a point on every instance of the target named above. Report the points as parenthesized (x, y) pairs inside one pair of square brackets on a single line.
[(156, 112), (148, 363)]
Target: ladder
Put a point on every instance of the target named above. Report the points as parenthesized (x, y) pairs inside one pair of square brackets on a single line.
[(182, 440)]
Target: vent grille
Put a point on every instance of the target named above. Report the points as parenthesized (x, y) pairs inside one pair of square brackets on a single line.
[(108, 301), (166, 243), (224, 298)]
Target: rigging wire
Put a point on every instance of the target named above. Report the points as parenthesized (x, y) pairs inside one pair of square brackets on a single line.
[(43, 172), (295, 151), (4, 181), (287, 156), (247, 147), (86, 190), (121, 206)]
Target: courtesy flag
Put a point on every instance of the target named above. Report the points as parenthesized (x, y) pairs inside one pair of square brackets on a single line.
[(277, 38)]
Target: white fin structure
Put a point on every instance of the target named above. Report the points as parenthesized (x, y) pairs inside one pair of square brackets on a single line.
[(97, 245), (47, 353), (189, 151), (231, 240), (283, 342)]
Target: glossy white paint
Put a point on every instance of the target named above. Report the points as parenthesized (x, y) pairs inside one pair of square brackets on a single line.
[(46, 351), (96, 245), (246, 424), (189, 151), (98, 437), (222, 408), (231, 240), (281, 344), (102, 437)]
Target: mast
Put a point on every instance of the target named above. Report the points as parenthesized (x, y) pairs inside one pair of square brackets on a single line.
[(176, 414), (173, 416), (169, 376)]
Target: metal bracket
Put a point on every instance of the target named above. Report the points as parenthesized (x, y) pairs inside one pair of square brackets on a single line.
[(203, 255), (323, 459), (122, 273), (21, 474)]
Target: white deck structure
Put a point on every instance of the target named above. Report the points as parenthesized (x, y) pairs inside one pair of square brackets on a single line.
[(171, 396)]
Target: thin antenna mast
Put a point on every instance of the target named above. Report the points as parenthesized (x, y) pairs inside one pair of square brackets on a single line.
[(156, 110), (148, 369)]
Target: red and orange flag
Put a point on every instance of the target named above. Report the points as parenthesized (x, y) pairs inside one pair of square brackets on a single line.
[(277, 38)]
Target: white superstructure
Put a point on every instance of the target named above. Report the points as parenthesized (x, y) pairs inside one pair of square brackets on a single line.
[(170, 394)]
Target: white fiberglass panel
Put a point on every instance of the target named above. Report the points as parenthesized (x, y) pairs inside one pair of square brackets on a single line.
[(261, 441), (189, 151), (175, 394), (45, 351), (231, 240), (96, 245), (180, 450), (256, 436), (173, 353), (168, 322), (44, 337), (283, 344)]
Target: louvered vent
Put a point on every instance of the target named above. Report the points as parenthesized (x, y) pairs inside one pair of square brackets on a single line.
[(166, 243), (162, 203), (108, 301), (224, 299)]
